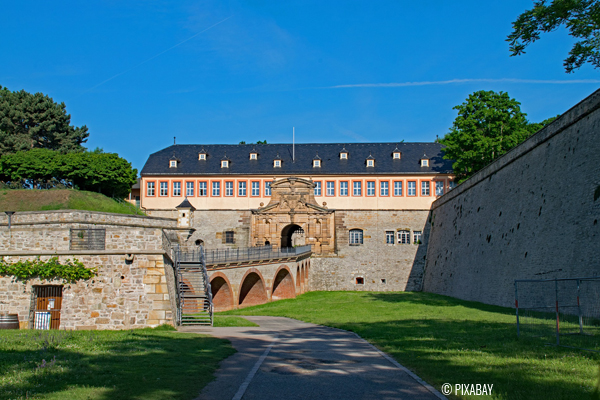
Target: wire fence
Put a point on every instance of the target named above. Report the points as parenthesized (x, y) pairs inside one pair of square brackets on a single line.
[(566, 312)]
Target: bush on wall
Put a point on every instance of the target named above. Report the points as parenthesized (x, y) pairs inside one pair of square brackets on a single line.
[(70, 270)]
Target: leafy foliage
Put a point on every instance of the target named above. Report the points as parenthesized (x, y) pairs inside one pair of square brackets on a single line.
[(30, 121), (580, 17), (106, 173), (487, 126), (71, 270)]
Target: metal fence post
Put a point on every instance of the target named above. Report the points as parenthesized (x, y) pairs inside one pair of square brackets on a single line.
[(517, 308), (557, 317), (579, 309)]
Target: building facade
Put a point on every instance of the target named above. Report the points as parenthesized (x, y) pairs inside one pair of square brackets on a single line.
[(362, 207)]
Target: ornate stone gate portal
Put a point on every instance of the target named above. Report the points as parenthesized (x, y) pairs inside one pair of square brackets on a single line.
[(293, 218)]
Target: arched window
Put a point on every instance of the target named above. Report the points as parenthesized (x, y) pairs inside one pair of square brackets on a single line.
[(356, 236)]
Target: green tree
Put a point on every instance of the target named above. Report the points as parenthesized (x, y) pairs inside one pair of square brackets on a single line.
[(580, 17), (487, 126), (29, 121)]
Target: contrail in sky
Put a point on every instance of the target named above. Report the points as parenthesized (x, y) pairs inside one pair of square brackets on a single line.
[(459, 81), (154, 56)]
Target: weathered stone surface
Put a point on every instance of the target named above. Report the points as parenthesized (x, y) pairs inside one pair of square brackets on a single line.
[(532, 214)]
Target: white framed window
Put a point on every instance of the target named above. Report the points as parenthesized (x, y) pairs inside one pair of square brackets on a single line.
[(370, 163), (343, 156), (216, 189), (241, 189), (403, 237), (396, 155), (189, 189), (425, 188), (255, 189), (224, 164), (164, 188), (201, 188), (370, 188), (316, 163), (389, 237), (397, 188), (451, 185), (317, 188), (253, 156), (384, 188), (267, 188), (356, 236), (424, 162), (439, 188), (412, 188), (201, 156), (417, 237), (229, 189), (357, 188), (176, 188), (330, 188), (150, 189), (343, 188), (277, 163), (173, 164)]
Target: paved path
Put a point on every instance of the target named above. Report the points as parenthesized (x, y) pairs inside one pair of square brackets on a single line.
[(289, 359)]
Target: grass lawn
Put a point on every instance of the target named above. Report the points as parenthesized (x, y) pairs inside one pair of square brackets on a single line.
[(221, 321), (136, 364), (60, 199), (443, 339)]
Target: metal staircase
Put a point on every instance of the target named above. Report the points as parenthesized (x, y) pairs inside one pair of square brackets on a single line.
[(195, 306)]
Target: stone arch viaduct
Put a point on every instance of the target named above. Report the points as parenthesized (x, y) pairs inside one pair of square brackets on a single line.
[(238, 285)]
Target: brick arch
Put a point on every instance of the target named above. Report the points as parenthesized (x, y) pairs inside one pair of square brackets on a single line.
[(252, 289), (298, 278), (283, 284), (222, 292)]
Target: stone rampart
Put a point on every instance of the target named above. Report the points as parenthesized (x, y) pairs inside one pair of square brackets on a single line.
[(531, 214)]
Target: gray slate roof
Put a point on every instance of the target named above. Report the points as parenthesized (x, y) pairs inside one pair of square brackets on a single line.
[(240, 163)]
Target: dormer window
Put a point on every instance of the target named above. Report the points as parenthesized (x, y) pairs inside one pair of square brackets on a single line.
[(224, 163), (253, 156), (202, 156), (344, 154), (173, 164), (424, 161), (316, 163), (277, 163), (370, 161), (396, 155)]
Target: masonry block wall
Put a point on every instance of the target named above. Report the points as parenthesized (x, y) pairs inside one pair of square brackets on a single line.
[(382, 266), (532, 214), (210, 227), (134, 287)]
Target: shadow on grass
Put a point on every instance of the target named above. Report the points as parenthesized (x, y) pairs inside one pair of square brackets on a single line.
[(484, 352), (137, 364)]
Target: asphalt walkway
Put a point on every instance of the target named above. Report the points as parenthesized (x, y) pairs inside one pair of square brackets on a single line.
[(289, 359)]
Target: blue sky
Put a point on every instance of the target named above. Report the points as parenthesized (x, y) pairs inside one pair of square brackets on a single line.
[(138, 73)]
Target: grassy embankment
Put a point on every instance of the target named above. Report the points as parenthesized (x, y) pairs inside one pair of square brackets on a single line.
[(444, 340), (137, 364), (60, 199), (221, 321)]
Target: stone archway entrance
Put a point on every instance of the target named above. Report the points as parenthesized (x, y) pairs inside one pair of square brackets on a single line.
[(293, 218), (292, 235)]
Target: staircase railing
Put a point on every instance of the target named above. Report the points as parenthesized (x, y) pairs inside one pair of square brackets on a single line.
[(195, 305)]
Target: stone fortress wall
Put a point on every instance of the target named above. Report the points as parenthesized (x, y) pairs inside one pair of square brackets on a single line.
[(532, 214), (135, 282)]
